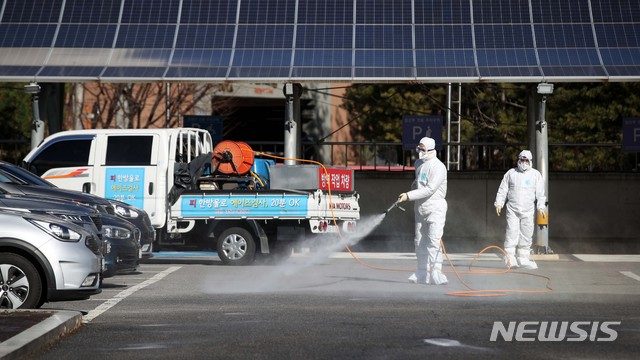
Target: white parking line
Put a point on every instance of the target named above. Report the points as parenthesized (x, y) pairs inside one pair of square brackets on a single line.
[(607, 258), (124, 294), (631, 275)]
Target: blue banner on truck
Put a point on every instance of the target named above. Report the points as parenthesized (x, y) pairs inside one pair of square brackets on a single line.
[(126, 185), (262, 206)]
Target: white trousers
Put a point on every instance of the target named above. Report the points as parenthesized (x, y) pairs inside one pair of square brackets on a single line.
[(429, 229), (519, 232)]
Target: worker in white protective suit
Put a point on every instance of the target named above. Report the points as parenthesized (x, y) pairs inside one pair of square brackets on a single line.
[(522, 188), (430, 208)]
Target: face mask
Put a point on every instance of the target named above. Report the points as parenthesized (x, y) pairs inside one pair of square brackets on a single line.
[(524, 165)]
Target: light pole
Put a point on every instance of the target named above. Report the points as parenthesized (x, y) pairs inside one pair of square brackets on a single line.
[(292, 124), (37, 125), (542, 164)]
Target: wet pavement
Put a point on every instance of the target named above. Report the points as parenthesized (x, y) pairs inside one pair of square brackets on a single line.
[(22, 332)]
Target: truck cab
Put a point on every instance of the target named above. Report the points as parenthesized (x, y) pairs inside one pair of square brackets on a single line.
[(128, 165)]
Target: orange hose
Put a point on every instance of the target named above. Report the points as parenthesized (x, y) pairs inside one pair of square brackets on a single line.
[(490, 292), (470, 292)]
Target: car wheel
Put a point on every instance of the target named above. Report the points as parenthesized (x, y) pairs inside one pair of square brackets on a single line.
[(20, 283), (236, 246)]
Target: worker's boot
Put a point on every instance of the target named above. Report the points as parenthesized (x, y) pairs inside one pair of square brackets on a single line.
[(415, 279), (524, 261), (510, 258), (436, 276)]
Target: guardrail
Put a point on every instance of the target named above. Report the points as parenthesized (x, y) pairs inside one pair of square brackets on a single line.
[(390, 156), (475, 156)]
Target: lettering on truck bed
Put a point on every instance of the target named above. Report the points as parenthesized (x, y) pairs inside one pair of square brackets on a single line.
[(244, 205)]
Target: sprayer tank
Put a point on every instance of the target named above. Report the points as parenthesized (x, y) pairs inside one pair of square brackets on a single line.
[(312, 177)]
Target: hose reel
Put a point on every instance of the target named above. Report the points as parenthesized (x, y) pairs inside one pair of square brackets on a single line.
[(233, 157)]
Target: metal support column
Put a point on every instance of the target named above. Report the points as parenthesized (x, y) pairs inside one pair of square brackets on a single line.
[(542, 164), (533, 108), (168, 106), (37, 125), (292, 124), (453, 126)]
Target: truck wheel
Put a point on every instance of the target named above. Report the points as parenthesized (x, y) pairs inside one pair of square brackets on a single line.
[(236, 246), (20, 283)]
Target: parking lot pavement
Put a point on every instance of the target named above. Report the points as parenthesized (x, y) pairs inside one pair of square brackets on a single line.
[(23, 332)]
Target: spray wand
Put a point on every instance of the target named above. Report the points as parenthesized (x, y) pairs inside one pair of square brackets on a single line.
[(395, 204)]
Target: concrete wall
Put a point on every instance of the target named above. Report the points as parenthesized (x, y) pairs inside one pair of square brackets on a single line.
[(588, 213)]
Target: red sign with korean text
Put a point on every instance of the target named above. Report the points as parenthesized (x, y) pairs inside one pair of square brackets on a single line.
[(338, 179)]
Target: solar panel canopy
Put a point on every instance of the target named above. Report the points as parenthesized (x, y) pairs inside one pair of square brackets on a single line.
[(320, 40)]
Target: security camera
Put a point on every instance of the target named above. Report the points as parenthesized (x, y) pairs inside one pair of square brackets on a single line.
[(32, 88)]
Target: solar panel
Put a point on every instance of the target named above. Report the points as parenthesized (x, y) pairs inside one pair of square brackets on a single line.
[(94, 12), (26, 36), (150, 12), (209, 12), (338, 12), (383, 12), (313, 40), (267, 12), (31, 11), (81, 36), (441, 12), (617, 28)]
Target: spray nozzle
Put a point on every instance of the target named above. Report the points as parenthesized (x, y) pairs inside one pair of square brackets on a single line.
[(395, 204)]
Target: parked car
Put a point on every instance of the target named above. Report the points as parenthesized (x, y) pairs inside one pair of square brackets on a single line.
[(16, 177), (31, 184), (141, 220), (45, 259), (122, 253), (82, 215), (121, 239)]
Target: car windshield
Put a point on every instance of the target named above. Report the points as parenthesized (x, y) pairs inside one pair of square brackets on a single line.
[(18, 175), (8, 179)]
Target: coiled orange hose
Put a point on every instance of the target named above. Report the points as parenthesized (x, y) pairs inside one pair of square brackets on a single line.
[(470, 292)]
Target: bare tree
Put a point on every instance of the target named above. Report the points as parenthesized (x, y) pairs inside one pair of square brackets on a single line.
[(144, 105)]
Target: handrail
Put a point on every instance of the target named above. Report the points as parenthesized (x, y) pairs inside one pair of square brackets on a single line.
[(475, 156), (390, 156)]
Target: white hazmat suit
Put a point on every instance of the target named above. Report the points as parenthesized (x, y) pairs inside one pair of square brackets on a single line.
[(430, 207), (522, 188)]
